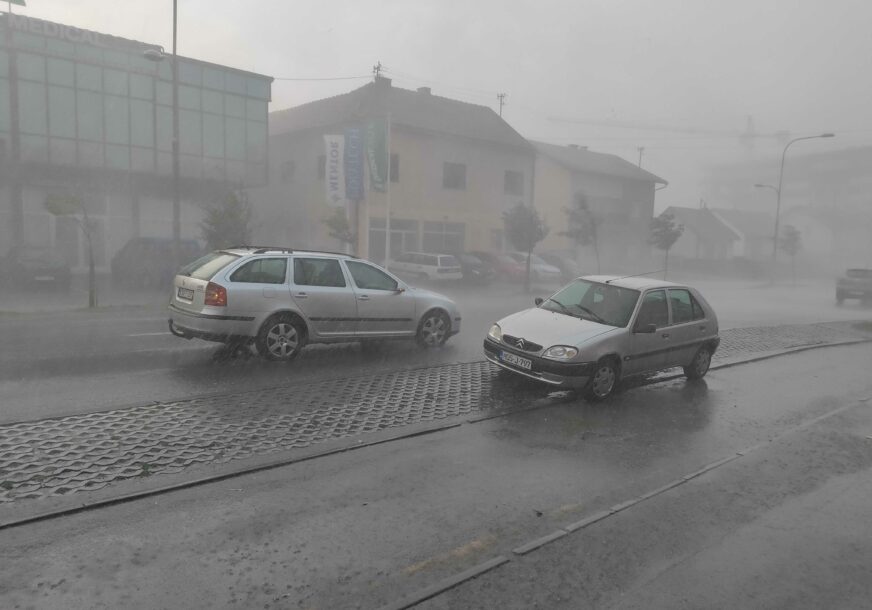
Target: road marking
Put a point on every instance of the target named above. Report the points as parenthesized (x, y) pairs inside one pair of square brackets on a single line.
[(149, 334)]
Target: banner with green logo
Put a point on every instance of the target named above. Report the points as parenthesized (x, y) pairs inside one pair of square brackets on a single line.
[(377, 153)]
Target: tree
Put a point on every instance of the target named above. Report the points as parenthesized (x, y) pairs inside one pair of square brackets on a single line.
[(664, 233), (73, 206), (790, 242), (524, 229), (583, 225), (228, 223), (340, 229)]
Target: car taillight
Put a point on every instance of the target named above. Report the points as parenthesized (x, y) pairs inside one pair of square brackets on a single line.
[(216, 295)]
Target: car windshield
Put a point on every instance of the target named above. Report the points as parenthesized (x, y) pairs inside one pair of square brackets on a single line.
[(205, 267), (603, 303)]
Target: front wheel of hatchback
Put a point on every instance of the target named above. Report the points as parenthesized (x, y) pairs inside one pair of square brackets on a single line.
[(433, 329), (700, 364), (280, 338), (603, 382)]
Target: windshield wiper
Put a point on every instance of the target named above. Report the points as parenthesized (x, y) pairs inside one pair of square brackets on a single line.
[(562, 306), (596, 317)]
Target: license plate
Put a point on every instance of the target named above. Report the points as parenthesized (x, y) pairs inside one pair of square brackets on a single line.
[(44, 278), (524, 363), (186, 293)]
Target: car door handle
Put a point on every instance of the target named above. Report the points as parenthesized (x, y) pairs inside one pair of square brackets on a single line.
[(301, 295), (363, 297), (665, 335)]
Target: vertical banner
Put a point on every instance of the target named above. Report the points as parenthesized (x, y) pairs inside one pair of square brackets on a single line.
[(377, 153), (354, 164), (334, 176)]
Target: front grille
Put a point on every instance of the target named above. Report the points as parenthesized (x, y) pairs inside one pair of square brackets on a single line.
[(528, 346)]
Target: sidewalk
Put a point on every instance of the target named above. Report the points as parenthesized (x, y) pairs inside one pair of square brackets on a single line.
[(56, 458), (109, 297)]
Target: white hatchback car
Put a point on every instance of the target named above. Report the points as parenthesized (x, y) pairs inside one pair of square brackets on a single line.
[(427, 266), (597, 330), (280, 299)]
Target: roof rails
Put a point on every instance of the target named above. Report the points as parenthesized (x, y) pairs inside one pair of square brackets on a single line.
[(265, 249)]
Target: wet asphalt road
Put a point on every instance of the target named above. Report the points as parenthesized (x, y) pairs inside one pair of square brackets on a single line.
[(785, 525), (58, 363)]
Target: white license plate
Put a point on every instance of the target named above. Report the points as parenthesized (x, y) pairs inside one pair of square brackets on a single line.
[(186, 293), (524, 363), (44, 278)]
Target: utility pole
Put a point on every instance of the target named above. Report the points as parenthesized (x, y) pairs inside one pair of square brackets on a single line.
[(641, 149), (502, 98)]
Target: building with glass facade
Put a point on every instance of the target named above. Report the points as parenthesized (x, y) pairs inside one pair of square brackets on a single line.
[(91, 114)]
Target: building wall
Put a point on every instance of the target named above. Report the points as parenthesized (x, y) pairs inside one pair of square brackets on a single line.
[(625, 208), (293, 206), (95, 117)]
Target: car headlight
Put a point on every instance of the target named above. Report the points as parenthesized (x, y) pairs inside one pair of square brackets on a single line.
[(495, 332), (560, 352)]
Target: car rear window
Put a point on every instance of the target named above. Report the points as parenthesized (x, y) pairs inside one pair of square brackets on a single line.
[(205, 267), (448, 261)]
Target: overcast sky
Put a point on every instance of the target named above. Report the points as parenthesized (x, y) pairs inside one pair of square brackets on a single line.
[(571, 69)]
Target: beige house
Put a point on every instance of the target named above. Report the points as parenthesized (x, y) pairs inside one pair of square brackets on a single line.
[(619, 194), (455, 167)]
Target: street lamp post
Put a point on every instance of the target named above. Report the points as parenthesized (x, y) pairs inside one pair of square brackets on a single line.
[(154, 55), (778, 192)]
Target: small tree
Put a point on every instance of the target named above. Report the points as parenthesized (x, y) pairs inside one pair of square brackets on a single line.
[(73, 206), (524, 229), (339, 228), (228, 223), (583, 225), (790, 242), (664, 233)]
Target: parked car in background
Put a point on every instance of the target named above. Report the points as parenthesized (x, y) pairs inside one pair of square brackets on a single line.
[(854, 284), (598, 330), (426, 266), (506, 267), (540, 271), (148, 262), (569, 269), (34, 267), (282, 299), (475, 270)]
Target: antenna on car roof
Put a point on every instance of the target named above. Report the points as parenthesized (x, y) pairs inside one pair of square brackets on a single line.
[(615, 279)]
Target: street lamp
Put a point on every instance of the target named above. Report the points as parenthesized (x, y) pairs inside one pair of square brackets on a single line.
[(778, 193), (159, 55)]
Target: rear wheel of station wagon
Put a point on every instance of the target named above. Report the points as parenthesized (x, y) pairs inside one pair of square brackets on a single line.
[(280, 338)]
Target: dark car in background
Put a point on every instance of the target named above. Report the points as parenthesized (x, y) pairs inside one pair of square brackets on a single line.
[(148, 262), (34, 267), (854, 284), (475, 270), (505, 266)]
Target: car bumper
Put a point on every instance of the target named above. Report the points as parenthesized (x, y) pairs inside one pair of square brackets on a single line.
[(561, 374), (210, 327)]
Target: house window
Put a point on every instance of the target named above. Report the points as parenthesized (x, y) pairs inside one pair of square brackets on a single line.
[(395, 167), (287, 170), (513, 183), (322, 166), (454, 176), (443, 237)]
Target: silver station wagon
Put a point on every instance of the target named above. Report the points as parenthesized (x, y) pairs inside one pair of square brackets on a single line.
[(598, 330), (281, 299)]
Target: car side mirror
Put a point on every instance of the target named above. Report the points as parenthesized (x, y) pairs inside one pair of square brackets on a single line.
[(645, 329), (538, 301), (399, 290)]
